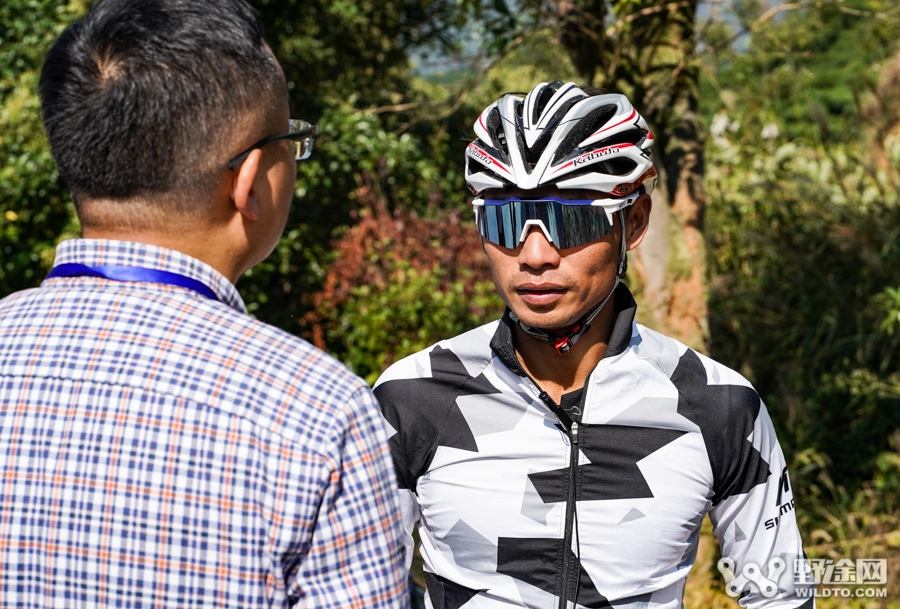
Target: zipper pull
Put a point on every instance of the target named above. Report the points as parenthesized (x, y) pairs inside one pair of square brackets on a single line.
[(575, 433)]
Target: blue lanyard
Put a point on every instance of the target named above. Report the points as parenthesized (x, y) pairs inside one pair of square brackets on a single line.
[(132, 273)]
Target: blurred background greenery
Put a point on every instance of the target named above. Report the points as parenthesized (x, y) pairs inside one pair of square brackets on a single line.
[(776, 242)]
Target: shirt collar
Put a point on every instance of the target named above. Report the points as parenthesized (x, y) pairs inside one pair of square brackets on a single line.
[(625, 307), (103, 252)]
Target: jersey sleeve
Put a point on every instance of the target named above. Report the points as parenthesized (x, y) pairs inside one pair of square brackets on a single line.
[(753, 517), (409, 509), (394, 399), (752, 503)]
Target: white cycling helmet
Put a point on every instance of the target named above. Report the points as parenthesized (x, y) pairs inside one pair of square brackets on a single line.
[(559, 135)]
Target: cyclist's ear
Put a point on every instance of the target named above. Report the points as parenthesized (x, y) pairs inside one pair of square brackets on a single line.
[(638, 221)]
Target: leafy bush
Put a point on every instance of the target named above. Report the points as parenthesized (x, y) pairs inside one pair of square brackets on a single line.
[(804, 243), (400, 283), (35, 207), (890, 302), (802, 239)]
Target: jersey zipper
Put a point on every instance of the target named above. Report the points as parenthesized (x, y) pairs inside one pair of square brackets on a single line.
[(573, 431), (570, 515)]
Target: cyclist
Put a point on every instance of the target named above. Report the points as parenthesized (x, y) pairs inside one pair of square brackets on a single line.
[(566, 455)]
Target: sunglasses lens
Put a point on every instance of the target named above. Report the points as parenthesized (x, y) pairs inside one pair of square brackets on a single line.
[(583, 224), (308, 147), (567, 225), (302, 148)]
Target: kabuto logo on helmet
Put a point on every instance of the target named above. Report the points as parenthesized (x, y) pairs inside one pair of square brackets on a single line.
[(483, 157), (593, 155)]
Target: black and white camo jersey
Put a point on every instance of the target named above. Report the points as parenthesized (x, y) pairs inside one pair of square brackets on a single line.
[(598, 501)]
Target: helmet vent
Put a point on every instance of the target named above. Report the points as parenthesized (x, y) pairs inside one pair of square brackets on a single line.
[(495, 129), (534, 154), (632, 136), (614, 167), (618, 167), (544, 96), (523, 151), (475, 166), (594, 120)]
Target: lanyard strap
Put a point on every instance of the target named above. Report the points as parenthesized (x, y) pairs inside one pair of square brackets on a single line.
[(132, 273)]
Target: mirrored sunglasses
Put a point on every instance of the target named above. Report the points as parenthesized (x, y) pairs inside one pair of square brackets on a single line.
[(565, 222)]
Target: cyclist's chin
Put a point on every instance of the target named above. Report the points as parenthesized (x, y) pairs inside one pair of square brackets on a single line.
[(553, 316)]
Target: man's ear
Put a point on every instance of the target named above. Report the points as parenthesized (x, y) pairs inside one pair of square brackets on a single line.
[(638, 220), (243, 192)]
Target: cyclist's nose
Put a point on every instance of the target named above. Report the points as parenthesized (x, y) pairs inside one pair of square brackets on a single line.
[(537, 252)]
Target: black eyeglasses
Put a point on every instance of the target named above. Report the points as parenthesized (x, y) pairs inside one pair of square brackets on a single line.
[(302, 135)]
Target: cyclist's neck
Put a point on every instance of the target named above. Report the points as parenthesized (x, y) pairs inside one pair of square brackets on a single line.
[(558, 374)]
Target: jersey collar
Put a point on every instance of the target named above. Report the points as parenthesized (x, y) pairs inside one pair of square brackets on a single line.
[(625, 307)]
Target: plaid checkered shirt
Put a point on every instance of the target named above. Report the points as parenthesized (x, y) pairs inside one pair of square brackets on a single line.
[(163, 449)]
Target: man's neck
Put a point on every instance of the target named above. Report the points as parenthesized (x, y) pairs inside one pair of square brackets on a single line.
[(558, 374), (202, 245)]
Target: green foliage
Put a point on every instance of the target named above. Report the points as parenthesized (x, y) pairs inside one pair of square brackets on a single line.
[(801, 240), (804, 241), (408, 170), (890, 302), (538, 58), (802, 69), (35, 207), (379, 324), (399, 283), (347, 68)]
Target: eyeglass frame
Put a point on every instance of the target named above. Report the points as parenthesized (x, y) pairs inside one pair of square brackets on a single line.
[(306, 133)]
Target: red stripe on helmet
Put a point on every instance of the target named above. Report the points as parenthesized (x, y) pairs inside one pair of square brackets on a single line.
[(630, 116), (484, 156)]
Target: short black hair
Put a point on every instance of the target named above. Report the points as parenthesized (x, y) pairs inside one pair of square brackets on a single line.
[(138, 97)]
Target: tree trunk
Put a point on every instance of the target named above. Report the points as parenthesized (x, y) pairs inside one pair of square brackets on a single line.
[(650, 56), (581, 33), (679, 304)]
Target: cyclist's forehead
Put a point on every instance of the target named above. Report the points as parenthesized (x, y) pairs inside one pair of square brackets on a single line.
[(543, 191)]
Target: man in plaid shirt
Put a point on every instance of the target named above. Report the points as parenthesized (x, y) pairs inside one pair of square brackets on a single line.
[(158, 446)]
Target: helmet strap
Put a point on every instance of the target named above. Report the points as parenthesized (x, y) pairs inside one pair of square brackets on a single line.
[(563, 344), (623, 257)]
